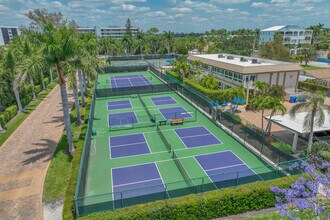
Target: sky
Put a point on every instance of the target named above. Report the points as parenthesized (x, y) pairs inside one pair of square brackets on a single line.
[(176, 15)]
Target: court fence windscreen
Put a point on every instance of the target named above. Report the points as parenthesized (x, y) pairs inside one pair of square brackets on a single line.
[(114, 200)]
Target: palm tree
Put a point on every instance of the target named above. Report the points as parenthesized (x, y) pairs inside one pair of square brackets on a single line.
[(59, 49), (9, 65), (140, 38), (261, 103), (105, 44), (315, 108), (168, 40), (275, 105), (261, 88), (128, 41)]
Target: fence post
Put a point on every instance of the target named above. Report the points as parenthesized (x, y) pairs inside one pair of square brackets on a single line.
[(262, 142), (121, 199), (237, 178), (202, 189)]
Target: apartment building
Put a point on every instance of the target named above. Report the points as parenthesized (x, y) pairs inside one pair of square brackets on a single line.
[(235, 70), (292, 35), (7, 33), (111, 31)]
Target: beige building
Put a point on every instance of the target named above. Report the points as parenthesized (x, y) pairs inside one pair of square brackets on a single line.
[(235, 70)]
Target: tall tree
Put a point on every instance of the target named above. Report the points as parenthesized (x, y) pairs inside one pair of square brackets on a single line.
[(168, 40), (275, 50), (315, 108), (140, 38), (128, 27)]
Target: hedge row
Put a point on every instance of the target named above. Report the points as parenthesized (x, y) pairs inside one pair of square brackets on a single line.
[(8, 114), (211, 93), (312, 86), (214, 204), (11, 111)]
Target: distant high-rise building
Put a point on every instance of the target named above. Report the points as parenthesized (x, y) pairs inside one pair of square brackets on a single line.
[(7, 33), (111, 31), (292, 35)]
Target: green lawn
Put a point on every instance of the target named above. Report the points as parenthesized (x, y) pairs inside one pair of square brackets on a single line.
[(310, 67), (56, 185), (18, 119)]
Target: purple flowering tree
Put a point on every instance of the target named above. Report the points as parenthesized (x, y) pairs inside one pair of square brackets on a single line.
[(309, 196)]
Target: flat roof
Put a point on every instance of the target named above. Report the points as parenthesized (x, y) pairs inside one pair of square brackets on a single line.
[(245, 67), (236, 60), (296, 124), (274, 28)]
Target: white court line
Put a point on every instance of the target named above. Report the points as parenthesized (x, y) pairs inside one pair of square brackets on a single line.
[(206, 175), (148, 83), (147, 143), (198, 135), (130, 82), (132, 183), (210, 133), (246, 164), (225, 167), (127, 144)]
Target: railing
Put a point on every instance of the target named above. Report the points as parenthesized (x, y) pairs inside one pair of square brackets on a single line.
[(115, 200)]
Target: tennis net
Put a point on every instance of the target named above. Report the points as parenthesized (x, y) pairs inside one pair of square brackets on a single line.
[(146, 109), (132, 79), (165, 141), (183, 172)]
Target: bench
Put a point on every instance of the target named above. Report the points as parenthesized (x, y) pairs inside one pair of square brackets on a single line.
[(177, 121), (163, 122)]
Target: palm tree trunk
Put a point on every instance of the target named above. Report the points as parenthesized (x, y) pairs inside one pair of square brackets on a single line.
[(51, 74), (18, 100), (32, 83), (105, 57), (76, 103), (65, 106), (262, 120), (82, 89), (42, 80), (311, 134), (269, 124), (1, 128)]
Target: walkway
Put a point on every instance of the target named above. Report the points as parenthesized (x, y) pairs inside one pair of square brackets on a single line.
[(24, 160)]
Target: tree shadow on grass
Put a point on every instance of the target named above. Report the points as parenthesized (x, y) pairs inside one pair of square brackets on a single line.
[(44, 150)]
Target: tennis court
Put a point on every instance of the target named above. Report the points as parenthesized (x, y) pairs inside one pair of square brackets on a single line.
[(137, 156), (128, 145), (123, 82)]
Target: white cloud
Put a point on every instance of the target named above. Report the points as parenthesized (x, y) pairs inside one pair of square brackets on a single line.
[(126, 1), (4, 8), (258, 5), (181, 10), (155, 14), (199, 19), (229, 1), (280, 1), (129, 7), (231, 10)]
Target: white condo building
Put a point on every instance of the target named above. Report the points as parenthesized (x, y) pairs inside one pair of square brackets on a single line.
[(7, 33), (112, 31), (292, 35)]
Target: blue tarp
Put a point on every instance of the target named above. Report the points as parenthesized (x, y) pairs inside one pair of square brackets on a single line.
[(170, 60)]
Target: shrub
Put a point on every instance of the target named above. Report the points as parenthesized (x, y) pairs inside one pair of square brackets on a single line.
[(46, 81), (37, 89), (217, 203), (12, 110), (174, 74), (2, 120), (26, 100)]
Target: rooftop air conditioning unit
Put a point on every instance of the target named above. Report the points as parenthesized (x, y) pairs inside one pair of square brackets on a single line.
[(221, 56), (243, 59), (230, 57), (254, 61)]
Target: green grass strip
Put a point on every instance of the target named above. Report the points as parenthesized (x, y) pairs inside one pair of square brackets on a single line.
[(18, 119), (55, 185), (311, 67)]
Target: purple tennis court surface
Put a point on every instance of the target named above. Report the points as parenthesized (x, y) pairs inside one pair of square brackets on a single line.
[(128, 145), (122, 104), (196, 137), (164, 100), (145, 178), (175, 112), (122, 118), (118, 82), (221, 169)]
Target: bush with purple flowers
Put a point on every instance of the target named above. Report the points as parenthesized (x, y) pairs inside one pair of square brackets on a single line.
[(309, 196)]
